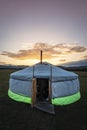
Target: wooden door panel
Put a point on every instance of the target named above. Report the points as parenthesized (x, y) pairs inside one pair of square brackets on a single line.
[(34, 91), (50, 91)]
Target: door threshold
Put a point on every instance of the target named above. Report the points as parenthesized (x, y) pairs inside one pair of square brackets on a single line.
[(45, 106)]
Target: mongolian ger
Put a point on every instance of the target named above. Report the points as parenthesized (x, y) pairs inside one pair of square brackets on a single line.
[(44, 85)]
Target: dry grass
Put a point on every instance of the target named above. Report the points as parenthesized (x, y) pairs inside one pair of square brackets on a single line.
[(20, 116)]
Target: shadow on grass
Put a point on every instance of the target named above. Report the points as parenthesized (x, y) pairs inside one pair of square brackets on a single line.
[(18, 116)]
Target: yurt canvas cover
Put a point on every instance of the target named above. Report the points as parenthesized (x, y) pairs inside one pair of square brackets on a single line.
[(61, 86)]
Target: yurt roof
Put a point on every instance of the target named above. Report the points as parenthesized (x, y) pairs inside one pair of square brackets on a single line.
[(44, 71)]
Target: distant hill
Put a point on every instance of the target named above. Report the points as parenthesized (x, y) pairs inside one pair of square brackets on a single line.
[(77, 65), (16, 67)]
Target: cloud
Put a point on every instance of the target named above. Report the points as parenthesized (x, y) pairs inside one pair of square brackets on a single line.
[(22, 54), (69, 48), (85, 57), (2, 63), (62, 60), (49, 51), (78, 49), (47, 48), (40, 46)]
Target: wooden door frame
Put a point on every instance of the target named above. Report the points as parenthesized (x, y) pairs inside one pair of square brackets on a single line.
[(34, 92), (50, 91)]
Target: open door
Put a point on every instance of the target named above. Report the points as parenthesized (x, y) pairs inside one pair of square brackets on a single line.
[(34, 92), (42, 89), (43, 96)]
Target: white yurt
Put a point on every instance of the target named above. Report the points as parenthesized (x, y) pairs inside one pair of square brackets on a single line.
[(44, 82)]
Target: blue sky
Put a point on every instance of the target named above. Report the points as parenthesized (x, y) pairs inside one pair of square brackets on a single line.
[(24, 23)]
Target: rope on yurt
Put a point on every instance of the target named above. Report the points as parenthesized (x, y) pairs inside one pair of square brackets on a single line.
[(50, 84)]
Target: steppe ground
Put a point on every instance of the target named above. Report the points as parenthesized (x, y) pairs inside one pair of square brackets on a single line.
[(20, 116)]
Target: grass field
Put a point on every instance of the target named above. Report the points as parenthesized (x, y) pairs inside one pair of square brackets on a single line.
[(20, 116)]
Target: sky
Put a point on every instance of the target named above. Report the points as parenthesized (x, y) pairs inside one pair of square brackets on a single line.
[(58, 27)]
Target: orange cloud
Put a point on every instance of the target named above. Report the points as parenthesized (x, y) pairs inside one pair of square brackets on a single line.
[(85, 57), (62, 60), (49, 51), (2, 63)]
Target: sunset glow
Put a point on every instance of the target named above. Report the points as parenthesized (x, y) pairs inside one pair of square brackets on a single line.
[(59, 28)]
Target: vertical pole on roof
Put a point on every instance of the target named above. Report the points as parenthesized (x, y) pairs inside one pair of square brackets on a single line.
[(33, 71), (41, 56)]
